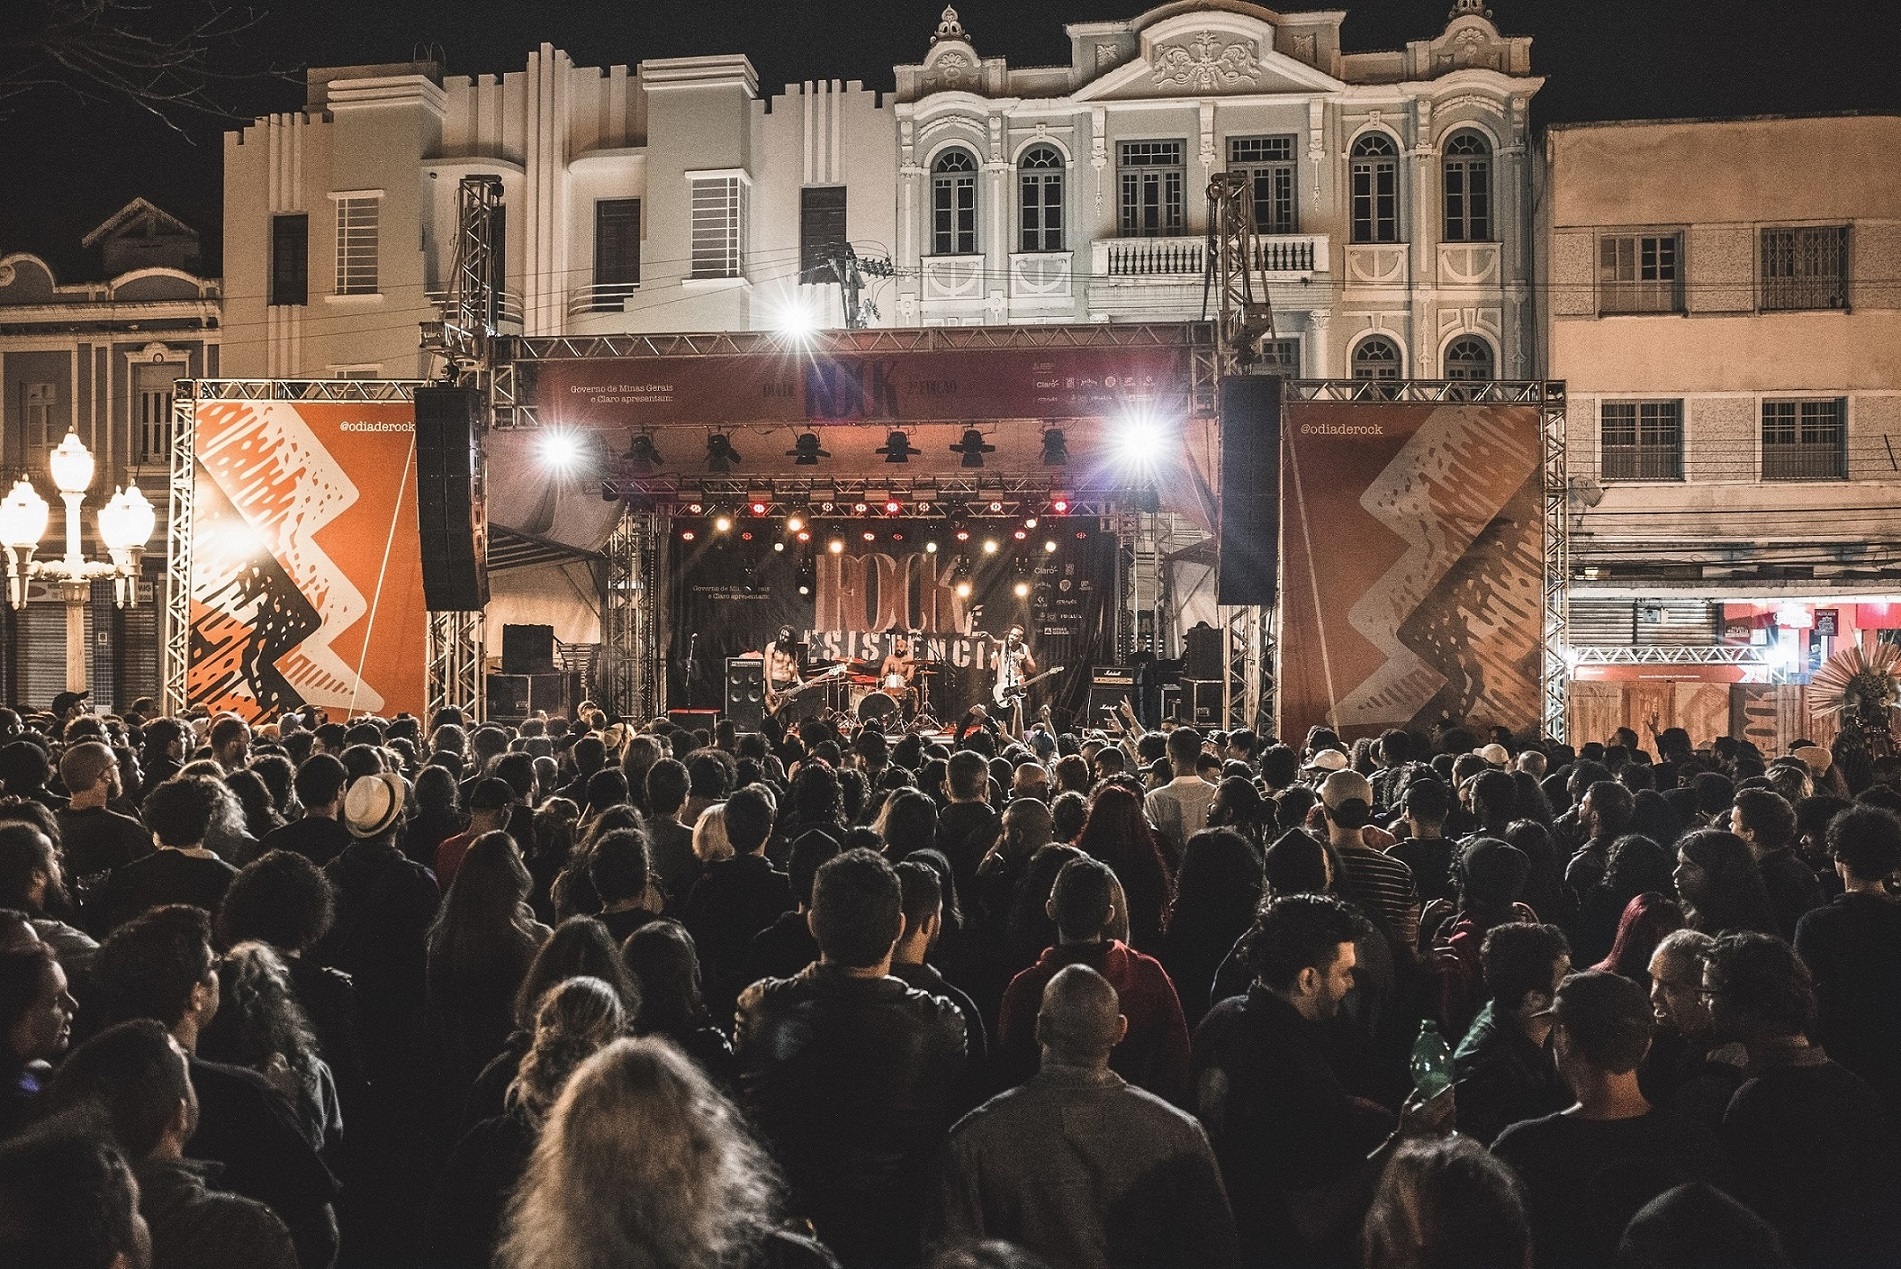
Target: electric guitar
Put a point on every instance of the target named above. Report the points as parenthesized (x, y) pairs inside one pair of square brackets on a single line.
[(1007, 695), (776, 701)]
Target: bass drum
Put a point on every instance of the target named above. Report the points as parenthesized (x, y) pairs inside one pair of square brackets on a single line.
[(877, 707)]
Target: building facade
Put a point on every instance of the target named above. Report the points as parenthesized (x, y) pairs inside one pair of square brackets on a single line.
[(1723, 298), (99, 358)]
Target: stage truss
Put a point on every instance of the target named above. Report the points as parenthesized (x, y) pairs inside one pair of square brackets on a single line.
[(631, 672), (1549, 396), (456, 655)]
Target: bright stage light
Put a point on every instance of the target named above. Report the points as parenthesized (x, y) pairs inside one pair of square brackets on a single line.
[(759, 508), (1059, 505), (963, 590), (930, 548), (990, 546), (722, 524), (795, 319), (778, 546), (1021, 534), (561, 449), (687, 535), (793, 524), (1049, 548), (836, 546), (892, 506), (1022, 590), (1030, 523), (860, 507), (804, 536), (870, 536)]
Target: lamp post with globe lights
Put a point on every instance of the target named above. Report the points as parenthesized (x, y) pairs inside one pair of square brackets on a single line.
[(126, 523)]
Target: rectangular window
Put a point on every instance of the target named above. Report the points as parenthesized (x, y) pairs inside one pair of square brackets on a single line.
[(1375, 198), (152, 410), (1040, 191), (1805, 268), (357, 219), (290, 258), (498, 266), (39, 406), (616, 253), (1269, 164), (1804, 440), (954, 206), (1639, 273), (1152, 184), (821, 231), (1280, 357), (719, 226), (1641, 440)]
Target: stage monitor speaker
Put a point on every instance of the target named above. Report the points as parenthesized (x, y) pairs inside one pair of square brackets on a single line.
[(450, 515), (507, 697), (1203, 650), (694, 719), (1204, 702), (528, 649), (1247, 560), (745, 692)]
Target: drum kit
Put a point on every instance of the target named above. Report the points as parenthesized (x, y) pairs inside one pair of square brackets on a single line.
[(890, 701)]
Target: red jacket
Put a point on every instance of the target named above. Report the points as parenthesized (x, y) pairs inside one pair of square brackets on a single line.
[(1154, 1054)]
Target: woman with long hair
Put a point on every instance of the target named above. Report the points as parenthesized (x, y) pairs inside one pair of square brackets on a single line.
[(572, 891), (1239, 805), (1216, 896), (662, 957), (254, 798), (1648, 919), (575, 1019), (906, 822), (1635, 865), (554, 827), (710, 843), (436, 818), (1545, 890), (1719, 884), (260, 1025), (642, 1163), (480, 948), (1117, 833)]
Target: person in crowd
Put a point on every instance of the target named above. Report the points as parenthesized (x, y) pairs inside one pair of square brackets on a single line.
[(967, 826), (1636, 865), (1380, 884), (319, 835), (68, 1200), (848, 1072), (1603, 815), (491, 808), (163, 754), (1687, 1070), (1503, 1071), (663, 960), (36, 1024), (181, 869), (1425, 849), (33, 883), (922, 897), (786, 946), (1718, 884), (1489, 877), (93, 837), (160, 965), (24, 771), (1852, 947), (574, 1019), (1216, 896), (254, 798), (1154, 1054), (1180, 807), (436, 818), (1587, 1169), (621, 870), (737, 898), (1815, 1152), (260, 1025), (136, 1077), (479, 949), (1117, 834), (1078, 1165), (670, 840), (1445, 1202), (1697, 1226), (1766, 823)]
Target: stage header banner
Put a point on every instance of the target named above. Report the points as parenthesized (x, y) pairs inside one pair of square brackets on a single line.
[(306, 580), (1412, 566), (854, 387)]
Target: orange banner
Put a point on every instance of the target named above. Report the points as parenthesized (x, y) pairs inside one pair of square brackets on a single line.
[(306, 584)]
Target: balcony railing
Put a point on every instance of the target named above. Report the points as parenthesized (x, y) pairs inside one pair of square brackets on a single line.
[(1188, 257), (605, 297)]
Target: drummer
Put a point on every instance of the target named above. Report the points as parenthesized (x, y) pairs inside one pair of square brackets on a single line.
[(896, 675)]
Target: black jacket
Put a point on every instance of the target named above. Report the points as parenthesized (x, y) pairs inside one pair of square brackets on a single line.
[(854, 1082)]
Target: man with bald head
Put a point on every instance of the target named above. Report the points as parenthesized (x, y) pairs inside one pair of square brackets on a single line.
[(1080, 1167)]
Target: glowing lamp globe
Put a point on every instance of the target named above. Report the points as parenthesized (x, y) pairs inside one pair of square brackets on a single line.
[(71, 465), (127, 521), (23, 516)]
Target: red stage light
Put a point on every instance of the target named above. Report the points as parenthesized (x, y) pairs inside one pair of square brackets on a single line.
[(963, 535), (897, 537), (870, 536), (686, 535), (892, 507), (1060, 506), (746, 536), (759, 508), (804, 536), (1080, 535), (1020, 534)]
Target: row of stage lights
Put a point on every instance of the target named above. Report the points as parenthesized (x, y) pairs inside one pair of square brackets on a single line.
[(644, 457)]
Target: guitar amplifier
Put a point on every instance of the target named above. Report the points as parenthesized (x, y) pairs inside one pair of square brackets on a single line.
[(1204, 702), (745, 692), (1121, 676)]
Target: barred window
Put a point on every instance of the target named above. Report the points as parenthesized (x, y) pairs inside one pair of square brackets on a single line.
[(1269, 164), (152, 410), (720, 205), (1639, 273), (821, 231), (1040, 198), (954, 204), (1467, 170), (1641, 440), (1152, 185), (1804, 440), (1374, 169), (290, 252), (1805, 268), (357, 223), (1280, 357)]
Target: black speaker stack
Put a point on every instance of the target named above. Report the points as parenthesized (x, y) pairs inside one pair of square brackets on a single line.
[(745, 692), (449, 506), (1247, 562)]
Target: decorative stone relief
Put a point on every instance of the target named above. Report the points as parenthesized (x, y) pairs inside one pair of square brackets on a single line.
[(951, 70), (1105, 57), (949, 28), (1208, 61), (1303, 46)]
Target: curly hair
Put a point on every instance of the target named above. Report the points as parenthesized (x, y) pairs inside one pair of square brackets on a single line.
[(575, 1019), (258, 1016)]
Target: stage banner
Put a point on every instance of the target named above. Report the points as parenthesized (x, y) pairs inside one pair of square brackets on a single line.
[(306, 580), (958, 385), (1411, 566), (731, 595)]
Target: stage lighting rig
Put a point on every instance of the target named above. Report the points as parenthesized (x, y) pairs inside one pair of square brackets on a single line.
[(721, 457), (1055, 447), (973, 447), (805, 451), (897, 448), (643, 455)]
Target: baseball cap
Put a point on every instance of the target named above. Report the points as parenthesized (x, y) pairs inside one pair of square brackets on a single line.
[(1344, 786), (1327, 760), (1496, 754), (374, 804), (1607, 1016)]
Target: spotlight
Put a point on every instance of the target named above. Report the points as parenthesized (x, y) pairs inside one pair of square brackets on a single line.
[(1059, 504), (870, 536), (897, 448), (804, 536), (860, 507), (561, 449), (796, 321), (962, 588), (759, 503), (995, 507), (694, 508), (686, 535), (1021, 534), (1030, 523), (1055, 447), (722, 523), (805, 451), (930, 548), (1022, 590), (973, 447), (720, 454), (1049, 547), (793, 524), (780, 546), (836, 546), (746, 536), (990, 546), (892, 506), (643, 456)]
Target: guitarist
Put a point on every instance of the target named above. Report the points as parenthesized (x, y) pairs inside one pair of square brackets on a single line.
[(782, 657), (1014, 666)]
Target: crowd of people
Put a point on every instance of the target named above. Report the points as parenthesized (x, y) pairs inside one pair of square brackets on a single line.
[(597, 994)]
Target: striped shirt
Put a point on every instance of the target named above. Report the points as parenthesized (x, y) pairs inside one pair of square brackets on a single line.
[(1384, 887)]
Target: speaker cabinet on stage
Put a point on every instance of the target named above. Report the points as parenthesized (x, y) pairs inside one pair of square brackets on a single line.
[(1204, 648), (694, 719), (449, 512), (507, 697), (1204, 702), (1247, 561), (1105, 696), (745, 692), (528, 650)]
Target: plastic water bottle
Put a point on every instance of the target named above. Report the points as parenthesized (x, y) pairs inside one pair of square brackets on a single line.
[(1432, 1062)]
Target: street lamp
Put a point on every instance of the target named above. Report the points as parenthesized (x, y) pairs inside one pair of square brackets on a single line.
[(126, 523)]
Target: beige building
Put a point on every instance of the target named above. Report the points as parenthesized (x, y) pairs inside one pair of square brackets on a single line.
[(1723, 298)]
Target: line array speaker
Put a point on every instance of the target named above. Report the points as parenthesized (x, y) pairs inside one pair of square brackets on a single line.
[(1247, 560), (450, 514)]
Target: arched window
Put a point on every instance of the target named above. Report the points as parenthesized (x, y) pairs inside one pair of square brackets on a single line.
[(1374, 167), (1468, 188), (1469, 357), (954, 204), (1040, 194), (1376, 357)]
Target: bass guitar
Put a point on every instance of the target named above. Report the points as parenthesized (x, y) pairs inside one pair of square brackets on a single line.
[(776, 701)]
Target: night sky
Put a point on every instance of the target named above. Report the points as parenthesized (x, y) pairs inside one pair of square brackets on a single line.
[(69, 163)]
